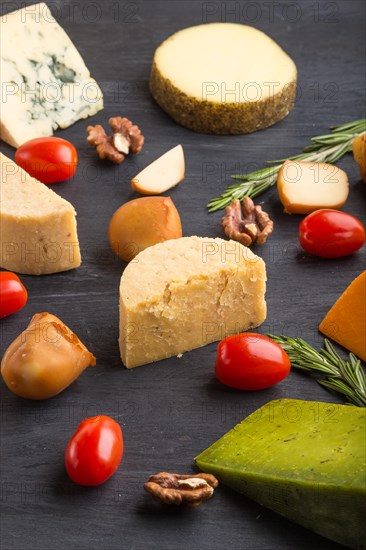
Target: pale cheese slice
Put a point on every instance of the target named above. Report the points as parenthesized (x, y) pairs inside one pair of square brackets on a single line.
[(44, 82), (162, 174), (185, 293), (307, 186), (223, 78), (37, 227)]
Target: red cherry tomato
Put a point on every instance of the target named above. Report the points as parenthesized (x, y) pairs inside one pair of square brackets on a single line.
[(48, 159), (13, 295), (331, 233), (95, 451), (250, 361)]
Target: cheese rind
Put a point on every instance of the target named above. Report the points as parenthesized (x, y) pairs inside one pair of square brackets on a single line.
[(346, 320), (303, 459), (45, 83), (223, 78), (37, 227), (185, 293)]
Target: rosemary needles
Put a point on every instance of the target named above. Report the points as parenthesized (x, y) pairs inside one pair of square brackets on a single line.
[(345, 377), (327, 148)]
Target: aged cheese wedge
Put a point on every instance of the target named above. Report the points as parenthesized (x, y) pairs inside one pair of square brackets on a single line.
[(162, 174), (307, 186), (44, 81), (303, 459), (38, 227), (185, 293), (223, 78), (346, 320)]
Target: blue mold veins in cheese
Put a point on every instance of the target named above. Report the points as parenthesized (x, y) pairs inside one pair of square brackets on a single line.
[(45, 83)]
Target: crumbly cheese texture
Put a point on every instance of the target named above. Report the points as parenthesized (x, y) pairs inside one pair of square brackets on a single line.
[(223, 78), (346, 320), (45, 83), (37, 227), (185, 293)]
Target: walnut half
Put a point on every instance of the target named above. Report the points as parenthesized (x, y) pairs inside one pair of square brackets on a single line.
[(247, 223), (176, 489), (126, 138)]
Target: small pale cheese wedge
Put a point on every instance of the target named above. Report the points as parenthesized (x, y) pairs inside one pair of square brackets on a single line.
[(223, 78), (162, 174), (185, 293), (307, 186), (37, 227), (45, 83), (346, 320)]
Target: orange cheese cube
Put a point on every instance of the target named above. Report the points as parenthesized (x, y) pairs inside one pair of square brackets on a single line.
[(346, 320)]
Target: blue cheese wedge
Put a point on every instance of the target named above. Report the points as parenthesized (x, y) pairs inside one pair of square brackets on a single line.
[(185, 293), (37, 227), (45, 83)]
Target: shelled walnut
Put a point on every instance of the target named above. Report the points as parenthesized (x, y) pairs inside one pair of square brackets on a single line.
[(176, 489), (246, 223), (126, 139)]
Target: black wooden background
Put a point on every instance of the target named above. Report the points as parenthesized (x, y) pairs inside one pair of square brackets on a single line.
[(172, 410)]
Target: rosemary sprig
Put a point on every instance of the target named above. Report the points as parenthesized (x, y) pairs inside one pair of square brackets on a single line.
[(332, 372), (327, 148)]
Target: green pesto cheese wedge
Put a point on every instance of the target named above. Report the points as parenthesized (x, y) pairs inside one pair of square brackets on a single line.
[(303, 459)]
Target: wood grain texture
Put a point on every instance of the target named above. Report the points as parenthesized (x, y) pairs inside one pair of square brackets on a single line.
[(172, 410)]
